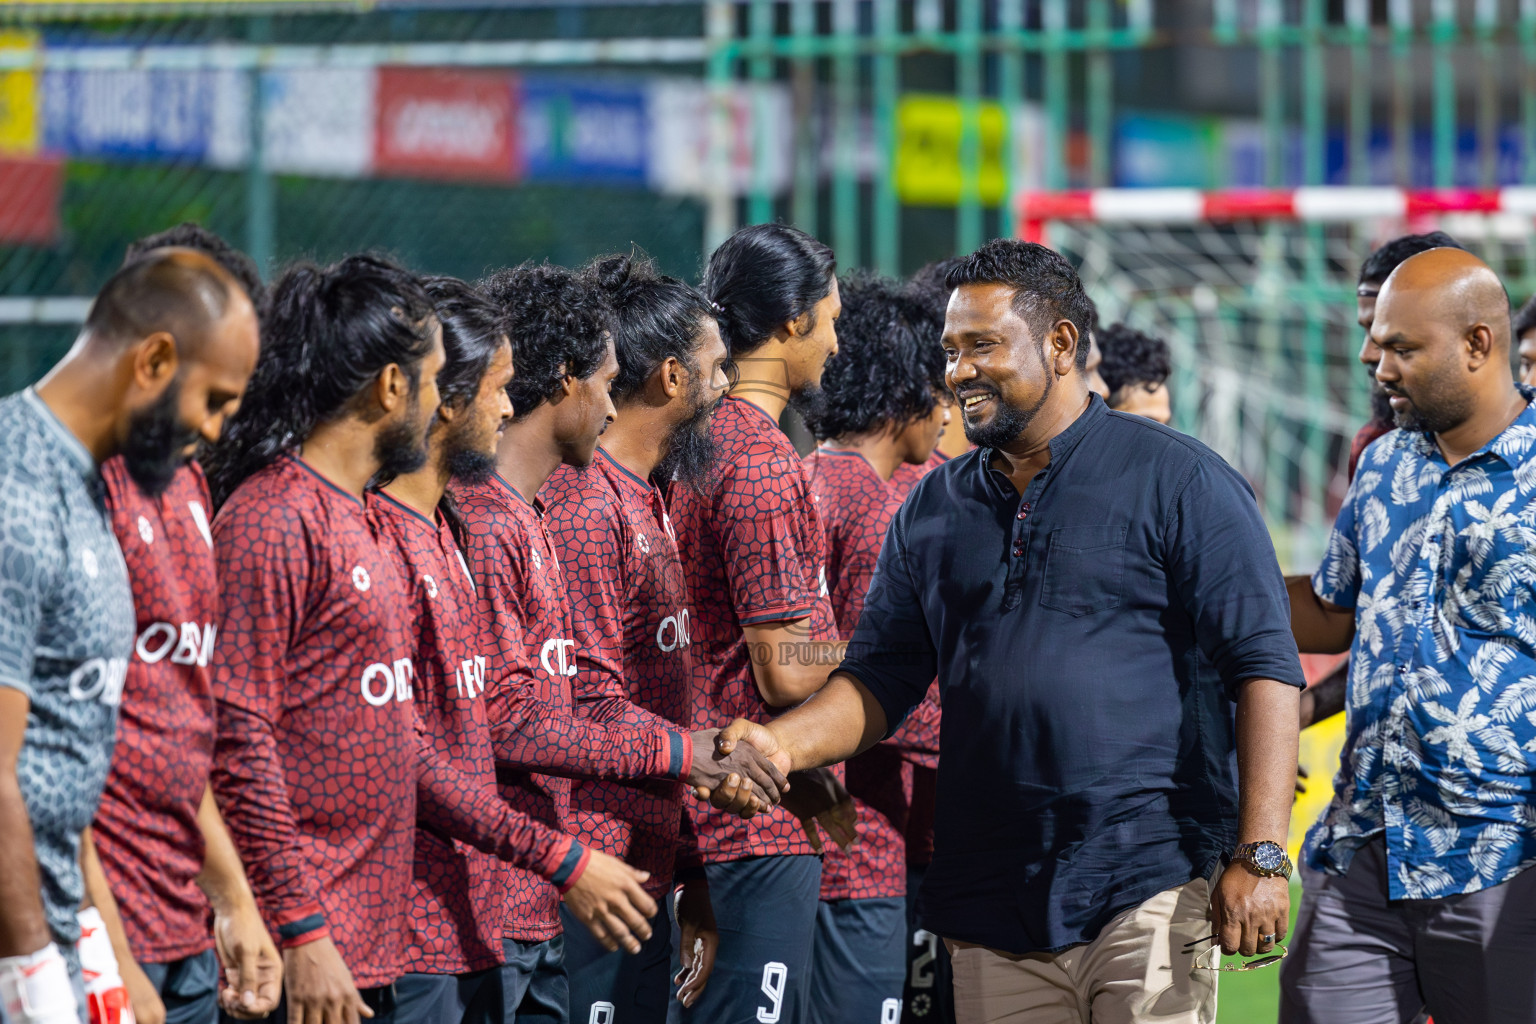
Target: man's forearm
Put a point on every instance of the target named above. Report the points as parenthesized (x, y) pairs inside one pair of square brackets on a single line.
[(223, 878), (98, 894), (835, 723), (1319, 628), (1267, 730), (23, 925)]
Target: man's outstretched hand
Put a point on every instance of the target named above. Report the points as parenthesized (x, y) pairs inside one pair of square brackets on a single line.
[(760, 736), (817, 797), (738, 778)]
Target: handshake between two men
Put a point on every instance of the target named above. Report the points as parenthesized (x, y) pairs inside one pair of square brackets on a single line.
[(742, 770)]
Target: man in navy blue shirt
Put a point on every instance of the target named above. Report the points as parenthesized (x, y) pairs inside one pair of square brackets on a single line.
[(1090, 589)]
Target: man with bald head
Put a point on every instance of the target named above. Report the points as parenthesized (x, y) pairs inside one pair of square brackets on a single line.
[(1416, 893), (164, 356)]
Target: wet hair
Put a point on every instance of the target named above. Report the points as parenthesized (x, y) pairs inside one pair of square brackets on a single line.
[(188, 235), (1525, 319), (183, 293), (761, 278), (329, 331), (472, 335), (1131, 357), (558, 321), (656, 318), (889, 368), (1378, 266), (1046, 288)]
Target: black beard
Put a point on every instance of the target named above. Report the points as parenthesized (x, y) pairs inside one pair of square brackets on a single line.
[(1434, 421), (808, 400), (156, 442), (402, 447), (690, 450), (1381, 407), (468, 465), (1009, 421)]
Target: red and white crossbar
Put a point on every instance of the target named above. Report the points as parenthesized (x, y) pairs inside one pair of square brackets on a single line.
[(1320, 203)]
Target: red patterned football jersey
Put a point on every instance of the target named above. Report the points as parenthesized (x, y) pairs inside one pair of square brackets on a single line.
[(856, 507), (918, 737), (146, 827), (534, 727), (753, 553), (632, 621), (315, 764), (457, 899)]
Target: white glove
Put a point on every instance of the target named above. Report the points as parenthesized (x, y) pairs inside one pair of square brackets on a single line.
[(35, 988), (105, 993)]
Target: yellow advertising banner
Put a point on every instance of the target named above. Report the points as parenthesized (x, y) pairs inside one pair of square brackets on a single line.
[(20, 98), (927, 169)]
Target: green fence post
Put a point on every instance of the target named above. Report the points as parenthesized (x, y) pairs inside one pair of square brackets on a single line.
[(1357, 14), (845, 134), (760, 199), (886, 236), (968, 220), (720, 197), (1528, 94), (1100, 93), (260, 203), (1053, 22), (1271, 94), (1443, 39), (1010, 90), (802, 26)]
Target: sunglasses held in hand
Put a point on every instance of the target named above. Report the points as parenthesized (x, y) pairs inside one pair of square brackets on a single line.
[(1267, 960)]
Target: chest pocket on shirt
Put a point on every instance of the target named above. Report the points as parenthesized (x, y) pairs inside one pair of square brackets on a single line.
[(1083, 569)]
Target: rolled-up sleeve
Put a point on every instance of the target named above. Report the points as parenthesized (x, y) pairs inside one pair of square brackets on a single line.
[(892, 651), (1222, 562)]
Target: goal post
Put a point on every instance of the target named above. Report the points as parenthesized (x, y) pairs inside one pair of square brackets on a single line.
[(1254, 291)]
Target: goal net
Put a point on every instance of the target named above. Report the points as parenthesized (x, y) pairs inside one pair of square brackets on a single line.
[(1254, 292)]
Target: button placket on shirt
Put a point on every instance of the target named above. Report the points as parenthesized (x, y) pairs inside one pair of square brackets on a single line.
[(1023, 527)]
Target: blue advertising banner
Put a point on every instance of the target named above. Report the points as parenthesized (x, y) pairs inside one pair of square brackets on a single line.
[(587, 132), (133, 113)]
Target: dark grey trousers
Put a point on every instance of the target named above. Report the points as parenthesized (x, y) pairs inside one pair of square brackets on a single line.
[(1359, 958)]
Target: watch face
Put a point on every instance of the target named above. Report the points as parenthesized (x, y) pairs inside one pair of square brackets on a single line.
[(1269, 857)]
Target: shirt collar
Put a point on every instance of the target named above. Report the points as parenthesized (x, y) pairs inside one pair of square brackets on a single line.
[(1061, 446), (626, 478), (535, 504), (1510, 445), (79, 456)]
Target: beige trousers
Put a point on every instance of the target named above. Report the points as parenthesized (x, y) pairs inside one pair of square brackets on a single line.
[(1134, 972)]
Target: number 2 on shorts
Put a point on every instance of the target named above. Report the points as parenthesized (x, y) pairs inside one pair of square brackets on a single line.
[(774, 976)]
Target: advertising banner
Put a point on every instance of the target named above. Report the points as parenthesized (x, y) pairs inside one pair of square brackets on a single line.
[(583, 132), (448, 124)]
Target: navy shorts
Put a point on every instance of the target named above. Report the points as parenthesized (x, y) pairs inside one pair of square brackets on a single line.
[(470, 998), (188, 987), (859, 961), (618, 988), (765, 908), (534, 988)]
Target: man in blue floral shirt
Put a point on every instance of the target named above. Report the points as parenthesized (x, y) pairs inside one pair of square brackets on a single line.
[(1416, 893)]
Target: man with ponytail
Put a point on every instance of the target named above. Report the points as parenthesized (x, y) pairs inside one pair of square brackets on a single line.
[(315, 764), (763, 636), (632, 615), (165, 353), (561, 331), (454, 919)]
